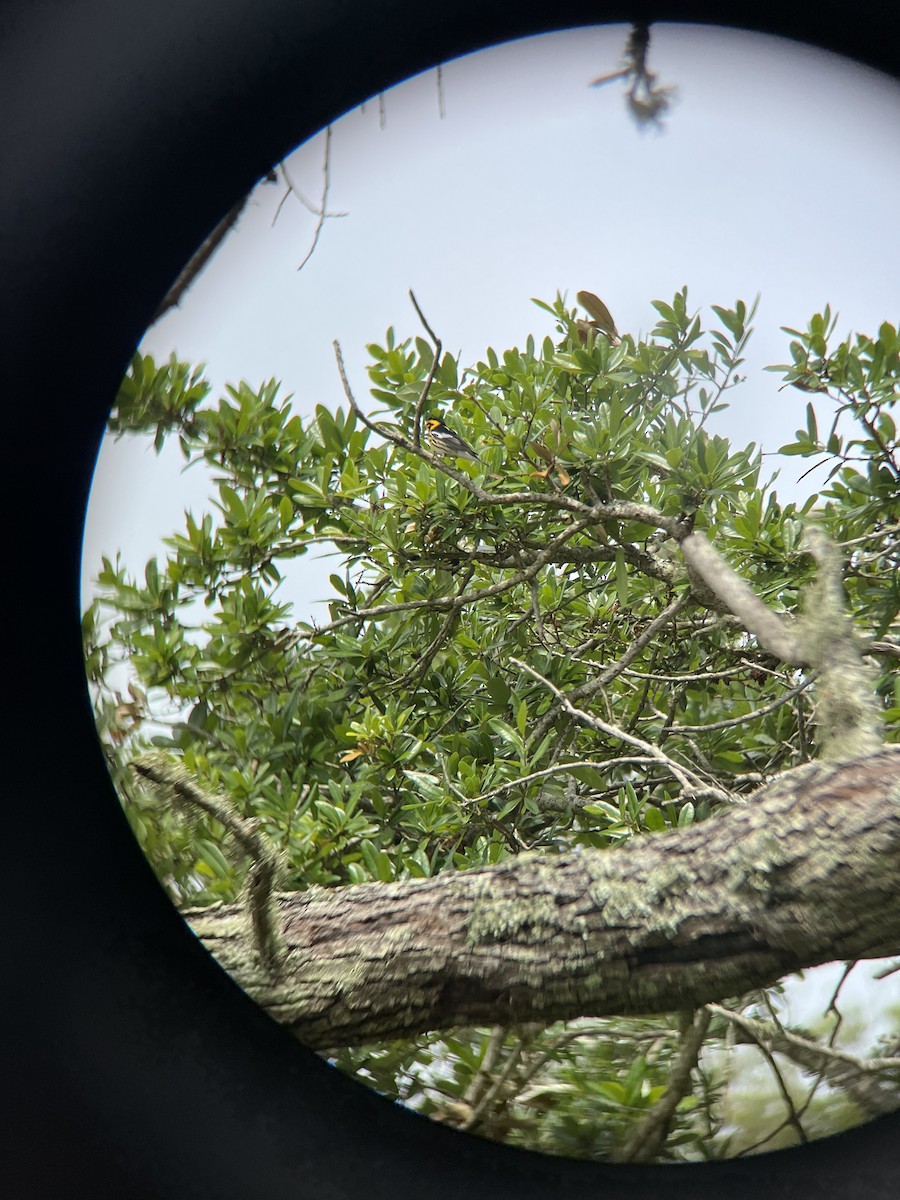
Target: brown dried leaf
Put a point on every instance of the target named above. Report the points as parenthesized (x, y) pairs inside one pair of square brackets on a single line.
[(602, 318)]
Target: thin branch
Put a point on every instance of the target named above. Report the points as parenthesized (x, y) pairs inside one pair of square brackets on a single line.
[(418, 670), (442, 112), (648, 1135), (435, 362), (609, 673), (445, 603), (557, 769), (323, 207), (832, 1003), (485, 1067), (689, 676), (621, 510), (870, 1082), (492, 1092), (199, 259), (792, 1118), (684, 776), (308, 204), (730, 722)]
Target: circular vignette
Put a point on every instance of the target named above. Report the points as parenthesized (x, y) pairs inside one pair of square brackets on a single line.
[(144, 1071)]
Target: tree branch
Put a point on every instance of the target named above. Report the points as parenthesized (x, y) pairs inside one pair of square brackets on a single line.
[(199, 259), (590, 514), (848, 714), (806, 872), (858, 1077), (648, 1135), (688, 779), (773, 632)]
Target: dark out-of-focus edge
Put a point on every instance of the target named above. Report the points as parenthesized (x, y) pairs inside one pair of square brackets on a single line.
[(134, 1067)]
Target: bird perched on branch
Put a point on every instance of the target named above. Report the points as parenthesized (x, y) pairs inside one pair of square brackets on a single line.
[(444, 441)]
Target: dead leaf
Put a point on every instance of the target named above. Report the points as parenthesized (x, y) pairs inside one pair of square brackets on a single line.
[(602, 317)]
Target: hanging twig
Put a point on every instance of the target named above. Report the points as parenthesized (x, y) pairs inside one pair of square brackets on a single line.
[(323, 207), (440, 92), (646, 101), (164, 774), (293, 190)]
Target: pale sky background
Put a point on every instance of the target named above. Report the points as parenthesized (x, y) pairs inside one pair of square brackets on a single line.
[(777, 172)]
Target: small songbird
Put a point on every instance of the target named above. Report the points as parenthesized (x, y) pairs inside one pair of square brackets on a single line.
[(444, 441), (602, 318)]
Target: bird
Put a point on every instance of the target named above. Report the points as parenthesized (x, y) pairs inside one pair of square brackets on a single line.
[(444, 441)]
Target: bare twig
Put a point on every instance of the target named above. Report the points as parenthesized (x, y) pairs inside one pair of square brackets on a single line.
[(293, 190), (792, 1117), (730, 722), (440, 92), (687, 778), (648, 1135), (860, 1078), (608, 674), (614, 669), (323, 207), (832, 1003), (563, 768), (760, 1030), (435, 362)]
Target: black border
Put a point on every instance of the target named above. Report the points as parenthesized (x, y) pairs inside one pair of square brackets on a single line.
[(136, 1067)]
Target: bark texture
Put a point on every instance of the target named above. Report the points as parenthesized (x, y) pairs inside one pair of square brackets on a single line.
[(806, 871)]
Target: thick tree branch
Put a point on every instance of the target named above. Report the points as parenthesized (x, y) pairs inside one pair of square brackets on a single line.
[(806, 872), (707, 567), (848, 715)]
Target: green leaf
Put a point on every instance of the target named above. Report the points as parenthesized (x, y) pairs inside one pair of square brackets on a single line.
[(654, 820), (499, 691)]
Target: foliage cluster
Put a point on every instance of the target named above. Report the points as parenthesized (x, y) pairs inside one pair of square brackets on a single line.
[(415, 730)]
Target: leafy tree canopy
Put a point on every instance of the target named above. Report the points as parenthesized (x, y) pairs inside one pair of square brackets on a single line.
[(515, 656)]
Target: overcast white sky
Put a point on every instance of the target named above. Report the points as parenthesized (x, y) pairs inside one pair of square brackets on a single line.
[(777, 172)]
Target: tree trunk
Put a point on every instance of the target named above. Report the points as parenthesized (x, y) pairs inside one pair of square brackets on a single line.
[(807, 871)]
